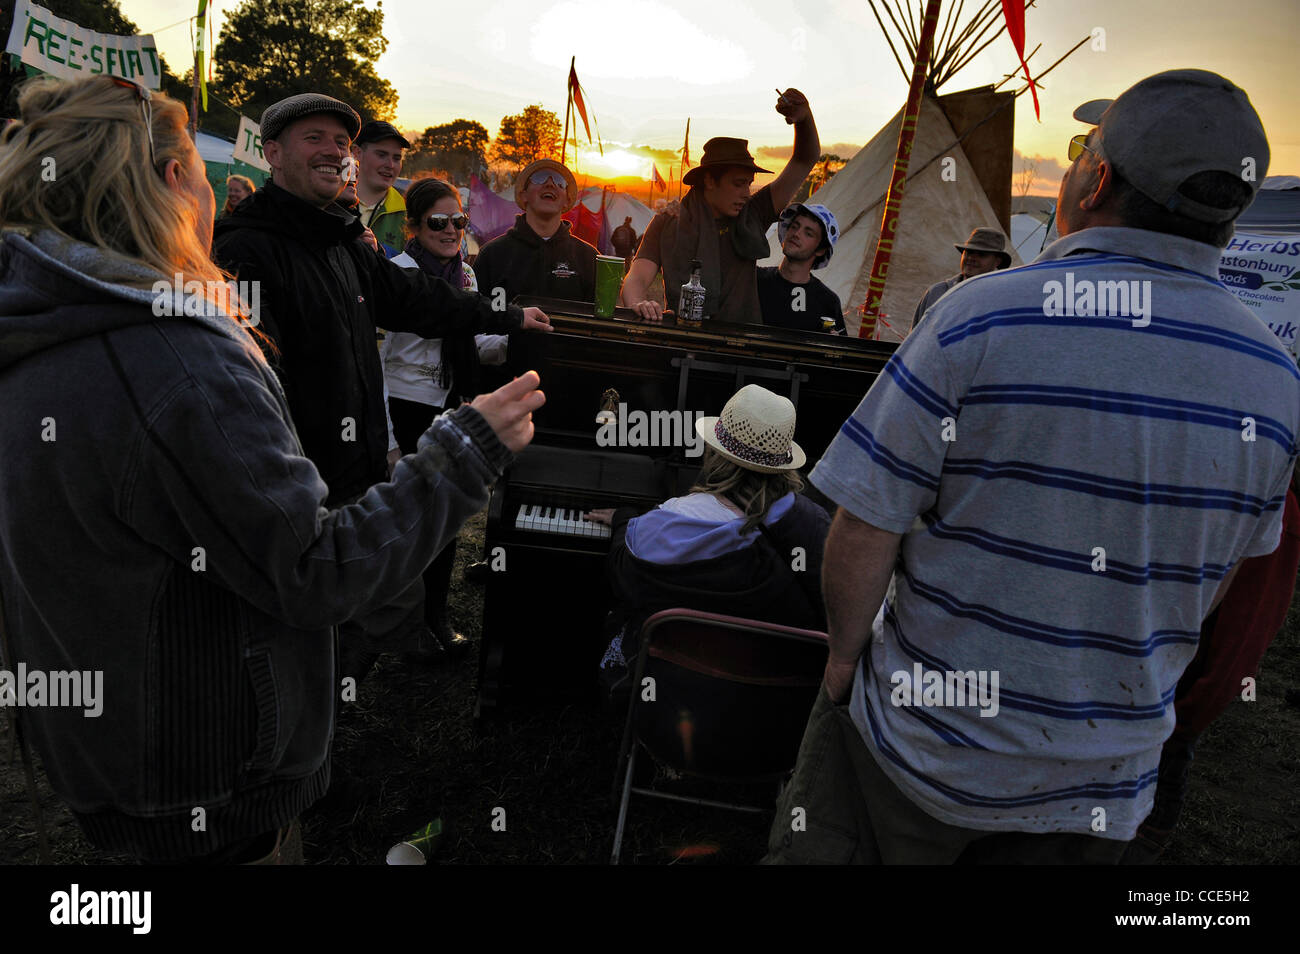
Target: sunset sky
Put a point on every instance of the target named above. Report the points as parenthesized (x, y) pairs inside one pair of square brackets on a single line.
[(648, 64)]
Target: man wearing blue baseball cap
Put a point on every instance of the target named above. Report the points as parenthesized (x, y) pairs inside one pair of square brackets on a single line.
[(789, 294)]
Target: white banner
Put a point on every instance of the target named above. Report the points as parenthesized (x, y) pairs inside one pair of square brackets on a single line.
[(248, 144), (61, 48), (1264, 271)]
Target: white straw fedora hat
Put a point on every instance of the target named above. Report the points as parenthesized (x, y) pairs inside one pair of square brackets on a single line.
[(755, 430)]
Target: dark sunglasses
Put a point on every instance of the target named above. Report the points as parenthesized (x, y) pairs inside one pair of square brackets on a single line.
[(146, 108), (439, 222)]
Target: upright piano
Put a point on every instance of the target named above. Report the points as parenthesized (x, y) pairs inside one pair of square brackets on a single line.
[(548, 594)]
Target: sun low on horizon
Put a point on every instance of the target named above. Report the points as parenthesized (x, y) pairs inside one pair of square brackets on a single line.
[(646, 66)]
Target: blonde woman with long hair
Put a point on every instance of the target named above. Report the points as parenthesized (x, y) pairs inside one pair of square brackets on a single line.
[(161, 533)]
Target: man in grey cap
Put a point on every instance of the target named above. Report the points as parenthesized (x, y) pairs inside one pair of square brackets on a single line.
[(321, 292), (1040, 501), (985, 251)]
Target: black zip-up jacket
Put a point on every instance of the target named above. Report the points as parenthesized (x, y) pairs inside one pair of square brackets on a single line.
[(523, 263), (322, 293), (160, 524)]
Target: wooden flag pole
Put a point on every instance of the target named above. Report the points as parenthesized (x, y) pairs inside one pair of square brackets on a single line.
[(568, 108), (894, 200)]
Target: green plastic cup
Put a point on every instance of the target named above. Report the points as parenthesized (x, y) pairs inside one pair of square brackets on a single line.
[(609, 279)]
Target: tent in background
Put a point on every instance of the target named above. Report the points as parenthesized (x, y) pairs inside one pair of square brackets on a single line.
[(492, 214), (939, 211), (1032, 218), (219, 161)]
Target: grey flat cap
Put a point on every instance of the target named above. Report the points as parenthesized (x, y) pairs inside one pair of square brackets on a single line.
[(279, 115)]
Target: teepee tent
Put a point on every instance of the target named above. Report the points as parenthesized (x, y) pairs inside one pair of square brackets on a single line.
[(958, 166), (944, 201)]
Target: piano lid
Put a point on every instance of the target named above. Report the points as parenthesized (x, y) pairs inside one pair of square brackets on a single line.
[(716, 337)]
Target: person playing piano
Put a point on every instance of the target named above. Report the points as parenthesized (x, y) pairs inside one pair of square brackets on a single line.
[(721, 224), (743, 541)]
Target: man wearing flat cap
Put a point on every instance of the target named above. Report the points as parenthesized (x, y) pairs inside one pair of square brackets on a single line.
[(1041, 500), (540, 255), (722, 224), (985, 251), (322, 289), (378, 150)]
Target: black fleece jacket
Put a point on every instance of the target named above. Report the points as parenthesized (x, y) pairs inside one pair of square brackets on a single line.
[(322, 293)]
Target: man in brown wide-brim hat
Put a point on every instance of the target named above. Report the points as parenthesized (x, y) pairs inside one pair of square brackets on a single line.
[(721, 224), (985, 251)]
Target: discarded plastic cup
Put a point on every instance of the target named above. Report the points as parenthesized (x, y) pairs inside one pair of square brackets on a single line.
[(418, 848)]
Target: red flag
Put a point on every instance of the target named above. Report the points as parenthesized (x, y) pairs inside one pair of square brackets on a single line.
[(1014, 12), (575, 90), (658, 179), (686, 147)]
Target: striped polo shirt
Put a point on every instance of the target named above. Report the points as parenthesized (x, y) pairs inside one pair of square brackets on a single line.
[(1076, 452)]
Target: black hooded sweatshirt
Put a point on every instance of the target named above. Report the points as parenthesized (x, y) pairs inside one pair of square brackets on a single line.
[(521, 262)]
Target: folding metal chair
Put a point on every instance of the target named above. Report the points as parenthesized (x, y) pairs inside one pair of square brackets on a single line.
[(718, 697)]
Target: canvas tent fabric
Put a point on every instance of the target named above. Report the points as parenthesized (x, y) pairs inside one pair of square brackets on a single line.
[(492, 214), (1029, 233), (939, 210), (1276, 209)]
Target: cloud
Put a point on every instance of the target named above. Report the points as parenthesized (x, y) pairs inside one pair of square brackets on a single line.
[(614, 43), (1047, 173), (845, 150)]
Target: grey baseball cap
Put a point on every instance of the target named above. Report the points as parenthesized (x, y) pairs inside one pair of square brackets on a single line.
[(1168, 127), (279, 115)]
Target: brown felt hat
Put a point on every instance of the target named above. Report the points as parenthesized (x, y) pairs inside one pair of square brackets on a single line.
[(721, 151), (987, 240)]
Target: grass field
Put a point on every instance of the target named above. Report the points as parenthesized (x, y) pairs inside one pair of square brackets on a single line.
[(407, 751)]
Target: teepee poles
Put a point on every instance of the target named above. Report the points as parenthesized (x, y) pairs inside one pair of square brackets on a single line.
[(894, 201)]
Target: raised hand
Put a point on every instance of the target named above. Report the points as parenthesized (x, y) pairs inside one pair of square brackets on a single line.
[(793, 105), (509, 410)]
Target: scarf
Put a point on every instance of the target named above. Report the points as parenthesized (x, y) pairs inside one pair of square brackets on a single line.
[(693, 233), (460, 364)]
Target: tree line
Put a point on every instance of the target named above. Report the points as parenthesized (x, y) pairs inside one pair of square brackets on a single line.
[(270, 49)]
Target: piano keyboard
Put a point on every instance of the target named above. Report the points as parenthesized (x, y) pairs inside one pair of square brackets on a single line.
[(558, 520)]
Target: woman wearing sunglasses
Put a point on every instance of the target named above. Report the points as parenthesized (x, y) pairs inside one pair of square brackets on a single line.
[(165, 538), (426, 375)]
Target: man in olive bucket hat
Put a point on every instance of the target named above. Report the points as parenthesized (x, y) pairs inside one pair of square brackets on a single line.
[(721, 224), (985, 251)]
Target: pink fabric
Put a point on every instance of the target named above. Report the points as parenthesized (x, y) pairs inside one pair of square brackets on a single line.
[(490, 215)]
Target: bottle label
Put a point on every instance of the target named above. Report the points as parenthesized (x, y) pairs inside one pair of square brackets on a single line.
[(691, 307)]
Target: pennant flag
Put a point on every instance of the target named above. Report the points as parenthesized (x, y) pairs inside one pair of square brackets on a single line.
[(658, 179), (575, 90), (686, 146), (198, 52), (1014, 12)]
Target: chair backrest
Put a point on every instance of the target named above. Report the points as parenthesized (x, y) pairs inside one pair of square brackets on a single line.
[(731, 695)]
